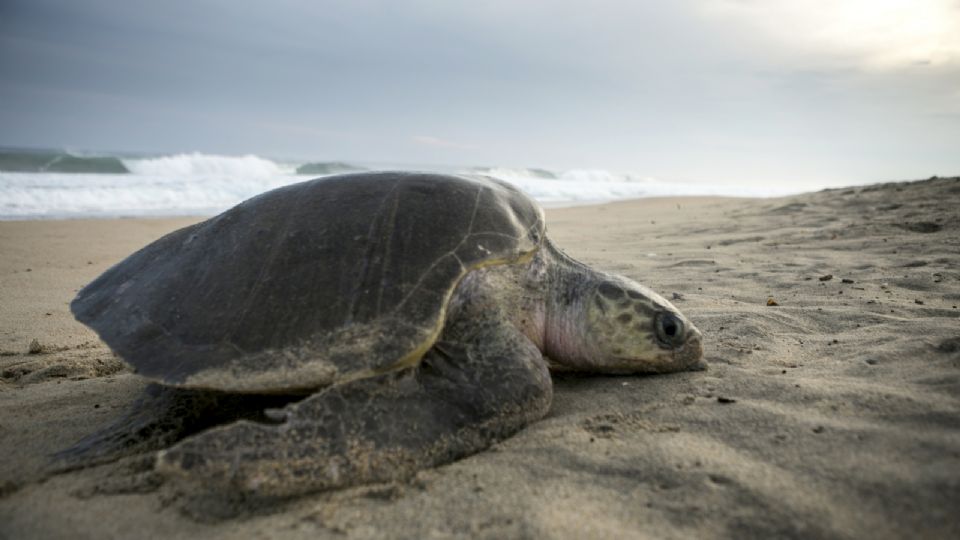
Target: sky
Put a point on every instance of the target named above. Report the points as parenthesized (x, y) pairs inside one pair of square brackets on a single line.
[(826, 92)]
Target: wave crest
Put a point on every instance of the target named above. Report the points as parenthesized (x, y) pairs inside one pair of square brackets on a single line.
[(197, 164)]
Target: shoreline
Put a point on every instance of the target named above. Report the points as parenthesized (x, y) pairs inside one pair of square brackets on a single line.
[(92, 196), (200, 216), (546, 205)]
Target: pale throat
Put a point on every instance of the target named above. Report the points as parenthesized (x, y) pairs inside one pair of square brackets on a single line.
[(553, 311)]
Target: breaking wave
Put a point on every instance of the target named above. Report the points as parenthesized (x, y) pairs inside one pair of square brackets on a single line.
[(204, 184), (201, 165)]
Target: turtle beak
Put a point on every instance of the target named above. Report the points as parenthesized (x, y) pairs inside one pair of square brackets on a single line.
[(699, 365), (690, 354)]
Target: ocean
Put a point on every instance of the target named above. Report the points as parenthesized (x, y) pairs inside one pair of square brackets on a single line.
[(56, 184)]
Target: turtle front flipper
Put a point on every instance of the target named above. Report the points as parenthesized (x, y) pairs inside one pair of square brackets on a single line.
[(462, 397)]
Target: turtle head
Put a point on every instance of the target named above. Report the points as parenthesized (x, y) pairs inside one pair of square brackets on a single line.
[(627, 328)]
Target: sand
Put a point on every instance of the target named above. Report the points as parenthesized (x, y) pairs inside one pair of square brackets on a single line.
[(834, 413)]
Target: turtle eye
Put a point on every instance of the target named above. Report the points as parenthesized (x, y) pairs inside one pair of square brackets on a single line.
[(669, 329)]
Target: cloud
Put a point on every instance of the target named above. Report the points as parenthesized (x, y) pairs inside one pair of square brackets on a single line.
[(428, 140), (691, 88), (873, 34), (300, 129)]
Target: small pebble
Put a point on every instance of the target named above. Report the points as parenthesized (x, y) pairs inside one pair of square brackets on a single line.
[(772, 302), (35, 347), (721, 399), (918, 301), (818, 429), (827, 277), (847, 280)]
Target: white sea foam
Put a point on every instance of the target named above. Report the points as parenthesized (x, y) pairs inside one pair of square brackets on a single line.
[(31, 195), (580, 186), (203, 165), (204, 184)]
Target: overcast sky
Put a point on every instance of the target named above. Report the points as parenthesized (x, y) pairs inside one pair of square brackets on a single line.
[(838, 91)]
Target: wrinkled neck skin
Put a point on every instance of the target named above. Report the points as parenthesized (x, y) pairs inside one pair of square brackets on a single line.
[(545, 300), (558, 329)]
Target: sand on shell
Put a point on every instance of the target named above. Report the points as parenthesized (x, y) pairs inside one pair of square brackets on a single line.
[(834, 413)]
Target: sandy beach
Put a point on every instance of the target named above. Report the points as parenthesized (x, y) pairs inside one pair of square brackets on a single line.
[(831, 407)]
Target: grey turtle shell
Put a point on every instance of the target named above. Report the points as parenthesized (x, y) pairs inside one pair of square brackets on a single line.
[(310, 284)]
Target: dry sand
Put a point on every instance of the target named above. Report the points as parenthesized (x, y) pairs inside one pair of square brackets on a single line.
[(835, 413)]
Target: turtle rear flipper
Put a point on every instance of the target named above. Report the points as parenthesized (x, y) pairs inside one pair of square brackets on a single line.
[(160, 417), (462, 397)]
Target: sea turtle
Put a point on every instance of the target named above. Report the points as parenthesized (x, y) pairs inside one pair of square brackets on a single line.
[(356, 328)]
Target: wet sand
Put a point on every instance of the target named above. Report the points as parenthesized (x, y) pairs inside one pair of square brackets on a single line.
[(833, 413)]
